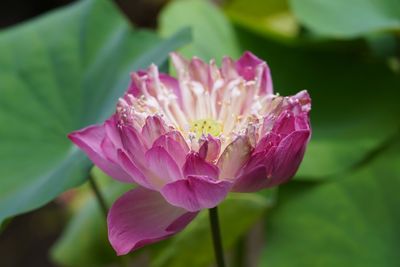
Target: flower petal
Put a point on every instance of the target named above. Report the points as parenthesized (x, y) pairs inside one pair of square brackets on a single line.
[(288, 156), (180, 64), (152, 129), (195, 165), (249, 67), (136, 175), (112, 132), (172, 84), (256, 175), (142, 217), (198, 71), (161, 167), (285, 124), (133, 144), (273, 162), (228, 69), (196, 192), (92, 140), (234, 157), (210, 148), (174, 143)]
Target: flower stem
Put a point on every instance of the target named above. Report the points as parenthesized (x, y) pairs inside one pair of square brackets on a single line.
[(216, 236), (99, 195), (123, 261)]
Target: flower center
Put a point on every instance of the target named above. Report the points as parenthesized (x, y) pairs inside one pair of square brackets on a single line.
[(205, 127)]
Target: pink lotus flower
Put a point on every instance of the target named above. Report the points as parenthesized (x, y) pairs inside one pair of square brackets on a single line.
[(188, 141)]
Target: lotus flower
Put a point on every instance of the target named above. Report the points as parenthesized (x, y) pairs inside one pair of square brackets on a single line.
[(188, 141)]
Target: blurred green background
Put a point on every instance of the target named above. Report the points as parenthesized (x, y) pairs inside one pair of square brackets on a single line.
[(64, 69)]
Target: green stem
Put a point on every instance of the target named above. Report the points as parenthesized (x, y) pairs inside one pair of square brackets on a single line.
[(123, 261), (239, 252), (216, 236), (99, 196)]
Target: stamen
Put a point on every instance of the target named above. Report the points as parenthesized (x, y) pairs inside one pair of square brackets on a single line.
[(205, 127)]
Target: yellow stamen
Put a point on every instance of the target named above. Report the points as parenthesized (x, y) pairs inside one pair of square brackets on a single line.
[(205, 127)]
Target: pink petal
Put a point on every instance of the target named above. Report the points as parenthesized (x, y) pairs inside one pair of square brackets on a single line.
[(198, 71), (234, 157), (136, 175), (92, 140), (172, 84), (135, 85), (133, 144), (152, 129), (268, 141), (112, 131), (195, 165), (228, 69), (174, 143), (256, 175), (285, 124), (249, 67), (288, 156), (141, 217), (304, 99), (273, 162), (161, 167), (210, 148), (180, 64), (196, 192)]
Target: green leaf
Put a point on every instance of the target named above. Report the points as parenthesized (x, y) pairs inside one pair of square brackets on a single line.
[(88, 225), (213, 35), (237, 214), (271, 18), (354, 100), (353, 221), (60, 73), (347, 19)]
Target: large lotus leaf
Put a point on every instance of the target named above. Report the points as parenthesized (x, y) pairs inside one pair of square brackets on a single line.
[(353, 221), (59, 73), (347, 19), (272, 18), (213, 35), (355, 100)]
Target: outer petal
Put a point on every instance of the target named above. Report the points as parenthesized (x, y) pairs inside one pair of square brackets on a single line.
[(138, 176), (142, 217), (112, 131), (257, 173), (289, 155), (273, 165), (285, 124), (196, 192), (234, 157), (92, 140)]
